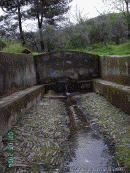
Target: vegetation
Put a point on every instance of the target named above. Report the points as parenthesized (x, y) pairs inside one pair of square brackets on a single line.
[(13, 48), (107, 49), (13, 7), (104, 35), (48, 11), (122, 6), (97, 48)]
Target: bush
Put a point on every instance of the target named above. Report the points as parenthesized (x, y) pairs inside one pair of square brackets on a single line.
[(78, 41)]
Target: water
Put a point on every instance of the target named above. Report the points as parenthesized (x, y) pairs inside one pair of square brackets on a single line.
[(89, 152), (66, 91)]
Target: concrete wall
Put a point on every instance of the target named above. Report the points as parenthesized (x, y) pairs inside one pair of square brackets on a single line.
[(17, 71), (118, 95), (14, 106), (115, 81), (77, 65), (116, 69)]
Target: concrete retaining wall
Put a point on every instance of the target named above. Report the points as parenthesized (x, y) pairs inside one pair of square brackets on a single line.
[(116, 69), (17, 71), (118, 95), (76, 65), (14, 106)]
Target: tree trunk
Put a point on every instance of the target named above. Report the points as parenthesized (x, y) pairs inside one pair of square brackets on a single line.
[(128, 31), (20, 24), (129, 27), (128, 18), (41, 38)]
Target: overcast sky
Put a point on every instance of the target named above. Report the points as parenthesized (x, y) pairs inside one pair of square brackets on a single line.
[(88, 9)]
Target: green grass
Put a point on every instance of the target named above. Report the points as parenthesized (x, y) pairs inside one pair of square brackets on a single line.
[(108, 49), (13, 48), (37, 53), (97, 48)]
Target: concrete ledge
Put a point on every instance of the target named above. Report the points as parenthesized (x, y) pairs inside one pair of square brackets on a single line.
[(118, 95), (13, 107)]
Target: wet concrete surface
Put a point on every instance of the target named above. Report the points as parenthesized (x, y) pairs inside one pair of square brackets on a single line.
[(84, 150)]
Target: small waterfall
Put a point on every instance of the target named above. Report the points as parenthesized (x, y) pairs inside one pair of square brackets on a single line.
[(66, 91)]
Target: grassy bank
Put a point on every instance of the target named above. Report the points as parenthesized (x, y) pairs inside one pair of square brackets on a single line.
[(98, 49)]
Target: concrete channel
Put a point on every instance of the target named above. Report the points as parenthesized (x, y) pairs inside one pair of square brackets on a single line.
[(64, 141)]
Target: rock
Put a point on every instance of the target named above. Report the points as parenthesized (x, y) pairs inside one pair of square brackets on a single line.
[(26, 51)]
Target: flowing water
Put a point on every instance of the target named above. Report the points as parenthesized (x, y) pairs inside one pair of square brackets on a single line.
[(89, 152)]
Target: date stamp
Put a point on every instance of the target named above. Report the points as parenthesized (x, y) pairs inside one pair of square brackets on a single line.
[(10, 148), (89, 170)]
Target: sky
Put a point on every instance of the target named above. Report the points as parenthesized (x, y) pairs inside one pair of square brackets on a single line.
[(88, 9)]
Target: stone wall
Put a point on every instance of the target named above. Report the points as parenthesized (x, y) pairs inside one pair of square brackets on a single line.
[(17, 71), (116, 69), (76, 65)]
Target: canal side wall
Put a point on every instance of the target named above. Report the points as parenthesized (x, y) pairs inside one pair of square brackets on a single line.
[(14, 106), (76, 65), (17, 72), (115, 68), (114, 84)]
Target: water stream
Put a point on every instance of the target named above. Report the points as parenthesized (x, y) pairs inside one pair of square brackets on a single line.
[(90, 153)]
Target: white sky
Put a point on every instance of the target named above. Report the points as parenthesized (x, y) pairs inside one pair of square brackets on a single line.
[(87, 8)]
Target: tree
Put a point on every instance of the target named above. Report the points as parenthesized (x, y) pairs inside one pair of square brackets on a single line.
[(7, 28), (14, 7), (128, 17), (123, 6), (107, 28), (49, 10), (31, 39), (78, 17)]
